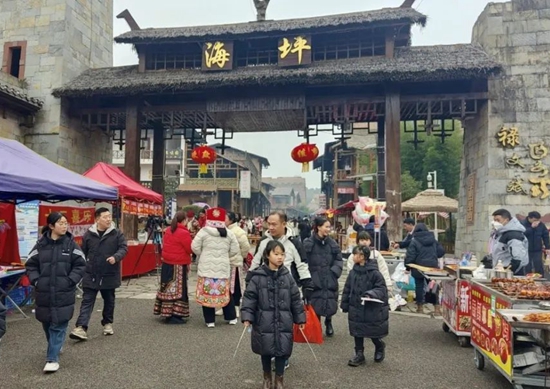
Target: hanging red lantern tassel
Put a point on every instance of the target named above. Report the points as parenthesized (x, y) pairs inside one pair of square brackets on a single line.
[(203, 155), (304, 154)]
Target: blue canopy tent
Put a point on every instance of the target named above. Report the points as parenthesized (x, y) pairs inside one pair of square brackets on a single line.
[(27, 176)]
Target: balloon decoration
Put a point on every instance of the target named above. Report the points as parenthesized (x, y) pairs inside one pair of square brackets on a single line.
[(304, 154), (366, 208), (203, 155)]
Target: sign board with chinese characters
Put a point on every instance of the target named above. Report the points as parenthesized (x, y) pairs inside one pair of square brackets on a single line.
[(217, 55), (490, 332), (294, 51), (245, 184), (471, 199), (80, 219), (141, 209), (456, 305)]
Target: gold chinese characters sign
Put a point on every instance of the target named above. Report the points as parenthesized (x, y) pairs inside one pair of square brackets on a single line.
[(470, 199), (217, 55), (294, 51), (533, 162)]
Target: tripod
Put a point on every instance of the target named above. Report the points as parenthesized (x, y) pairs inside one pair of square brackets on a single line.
[(155, 232)]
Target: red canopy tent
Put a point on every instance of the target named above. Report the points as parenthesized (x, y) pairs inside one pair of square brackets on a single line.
[(127, 188)]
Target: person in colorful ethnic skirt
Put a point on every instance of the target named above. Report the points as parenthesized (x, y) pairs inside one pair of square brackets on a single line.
[(172, 302), (216, 248), (237, 274)]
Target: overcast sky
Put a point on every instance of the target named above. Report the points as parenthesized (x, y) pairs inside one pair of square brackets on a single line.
[(449, 21)]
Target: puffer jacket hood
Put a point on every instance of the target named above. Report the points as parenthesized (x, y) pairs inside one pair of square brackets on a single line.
[(425, 238), (215, 253), (512, 225)]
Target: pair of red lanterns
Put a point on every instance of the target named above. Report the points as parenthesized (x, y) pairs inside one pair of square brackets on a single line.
[(304, 154)]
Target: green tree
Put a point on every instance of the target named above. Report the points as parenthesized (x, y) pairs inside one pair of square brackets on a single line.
[(409, 186)]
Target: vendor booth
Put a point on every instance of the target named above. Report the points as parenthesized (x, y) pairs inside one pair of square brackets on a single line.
[(28, 177), (134, 199)]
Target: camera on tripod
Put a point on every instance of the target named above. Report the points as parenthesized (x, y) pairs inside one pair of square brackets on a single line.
[(155, 223)]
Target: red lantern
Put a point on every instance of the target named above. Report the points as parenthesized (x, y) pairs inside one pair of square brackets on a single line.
[(305, 153), (203, 155)]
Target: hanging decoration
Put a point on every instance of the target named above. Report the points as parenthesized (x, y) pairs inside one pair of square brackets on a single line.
[(304, 154), (366, 208), (203, 155)]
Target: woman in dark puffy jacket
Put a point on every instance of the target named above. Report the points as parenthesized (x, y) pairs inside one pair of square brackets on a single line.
[(368, 319), (325, 265), (272, 304), (172, 301), (55, 266), (423, 250)]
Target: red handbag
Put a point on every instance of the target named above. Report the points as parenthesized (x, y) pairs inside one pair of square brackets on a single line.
[(312, 330)]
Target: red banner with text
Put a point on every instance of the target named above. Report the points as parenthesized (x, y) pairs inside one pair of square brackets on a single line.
[(141, 209), (80, 219)]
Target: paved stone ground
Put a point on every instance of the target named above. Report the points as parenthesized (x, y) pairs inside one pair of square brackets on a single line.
[(144, 353)]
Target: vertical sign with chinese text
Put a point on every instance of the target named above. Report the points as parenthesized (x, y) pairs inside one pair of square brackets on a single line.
[(490, 332), (26, 219), (245, 184), (217, 55), (471, 199), (294, 51)]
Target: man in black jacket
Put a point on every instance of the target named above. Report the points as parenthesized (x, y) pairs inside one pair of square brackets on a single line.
[(537, 235), (104, 247), (408, 224)]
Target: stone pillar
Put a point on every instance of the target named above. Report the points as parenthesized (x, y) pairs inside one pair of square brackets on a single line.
[(393, 164), (159, 158), (516, 34), (381, 161)]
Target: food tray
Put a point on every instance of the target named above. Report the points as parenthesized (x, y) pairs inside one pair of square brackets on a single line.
[(514, 317)]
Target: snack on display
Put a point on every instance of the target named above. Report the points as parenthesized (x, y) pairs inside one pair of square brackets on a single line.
[(537, 317), (522, 288)]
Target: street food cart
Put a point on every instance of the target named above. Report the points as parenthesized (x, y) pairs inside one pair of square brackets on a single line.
[(455, 302), (501, 335)]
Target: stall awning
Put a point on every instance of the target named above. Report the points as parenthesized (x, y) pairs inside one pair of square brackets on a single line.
[(26, 175), (127, 188)]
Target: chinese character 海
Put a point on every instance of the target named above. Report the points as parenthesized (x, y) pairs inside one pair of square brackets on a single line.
[(216, 54), (516, 186), (508, 137), (300, 44), (539, 168), (538, 151), (540, 187)]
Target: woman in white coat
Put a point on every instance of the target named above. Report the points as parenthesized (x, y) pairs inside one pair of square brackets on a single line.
[(237, 274), (216, 247)]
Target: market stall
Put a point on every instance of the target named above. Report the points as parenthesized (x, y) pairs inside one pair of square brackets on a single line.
[(25, 177), (134, 199), (510, 330)]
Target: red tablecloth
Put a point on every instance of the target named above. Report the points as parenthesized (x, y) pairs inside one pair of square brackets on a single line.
[(146, 263)]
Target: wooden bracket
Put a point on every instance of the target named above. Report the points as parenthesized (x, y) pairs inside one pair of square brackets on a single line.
[(126, 15)]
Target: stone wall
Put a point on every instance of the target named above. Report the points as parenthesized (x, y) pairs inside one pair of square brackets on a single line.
[(9, 126), (517, 34), (64, 38)]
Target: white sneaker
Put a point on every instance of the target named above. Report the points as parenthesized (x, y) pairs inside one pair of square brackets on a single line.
[(211, 325), (51, 367), (233, 322), (108, 329), (219, 312)]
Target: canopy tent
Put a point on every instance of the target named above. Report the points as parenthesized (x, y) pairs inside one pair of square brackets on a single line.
[(430, 201), (127, 188), (26, 175)]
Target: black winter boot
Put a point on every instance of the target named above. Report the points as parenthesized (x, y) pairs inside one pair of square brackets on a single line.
[(279, 382), (329, 331), (358, 359), (268, 384), (380, 352)]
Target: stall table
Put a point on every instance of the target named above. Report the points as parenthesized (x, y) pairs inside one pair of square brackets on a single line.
[(498, 340), (17, 275), (146, 264)]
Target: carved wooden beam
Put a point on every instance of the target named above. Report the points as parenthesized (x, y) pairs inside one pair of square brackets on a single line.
[(126, 15)]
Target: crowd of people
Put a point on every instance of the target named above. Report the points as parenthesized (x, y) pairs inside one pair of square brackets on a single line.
[(267, 289)]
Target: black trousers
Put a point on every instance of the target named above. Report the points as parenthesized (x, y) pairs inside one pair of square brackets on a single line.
[(279, 364), (87, 307), (535, 263), (228, 312), (237, 293), (360, 343)]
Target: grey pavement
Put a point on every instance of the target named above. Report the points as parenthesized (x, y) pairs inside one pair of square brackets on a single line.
[(144, 353)]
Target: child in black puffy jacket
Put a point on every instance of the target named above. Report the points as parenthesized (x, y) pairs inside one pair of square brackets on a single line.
[(272, 305)]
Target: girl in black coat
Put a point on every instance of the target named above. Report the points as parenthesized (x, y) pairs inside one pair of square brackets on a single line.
[(55, 266), (272, 304), (324, 259), (366, 319)]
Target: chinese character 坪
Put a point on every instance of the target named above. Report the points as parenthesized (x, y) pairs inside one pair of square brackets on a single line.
[(300, 44)]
